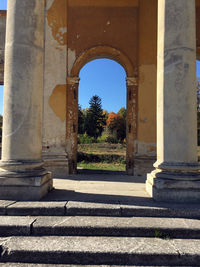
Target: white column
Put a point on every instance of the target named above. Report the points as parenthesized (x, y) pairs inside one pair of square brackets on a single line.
[(22, 175), (176, 176)]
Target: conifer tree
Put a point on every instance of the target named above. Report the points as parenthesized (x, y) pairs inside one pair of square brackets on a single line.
[(95, 119)]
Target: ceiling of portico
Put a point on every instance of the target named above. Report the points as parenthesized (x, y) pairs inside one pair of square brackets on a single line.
[(116, 3), (197, 2)]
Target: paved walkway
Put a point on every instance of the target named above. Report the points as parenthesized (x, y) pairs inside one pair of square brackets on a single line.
[(92, 190), (111, 188)]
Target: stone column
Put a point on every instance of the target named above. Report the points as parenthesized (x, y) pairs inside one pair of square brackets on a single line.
[(131, 122), (72, 122), (22, 175), (176, 176)]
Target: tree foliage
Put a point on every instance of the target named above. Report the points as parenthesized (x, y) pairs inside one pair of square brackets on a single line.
[(81, 121), (95, 117), (92, 120), (122, 112), (117, 125)]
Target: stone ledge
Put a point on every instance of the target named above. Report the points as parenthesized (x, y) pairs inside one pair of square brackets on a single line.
[(101, 250), (116, 226), (37, 208), (99, 226), (77, 208)]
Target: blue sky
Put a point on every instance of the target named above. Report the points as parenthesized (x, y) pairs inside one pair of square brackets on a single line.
[(105, 78), (102, 77)]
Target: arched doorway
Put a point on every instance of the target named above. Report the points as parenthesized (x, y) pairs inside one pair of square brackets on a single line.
[(72, 103), (102, 117)]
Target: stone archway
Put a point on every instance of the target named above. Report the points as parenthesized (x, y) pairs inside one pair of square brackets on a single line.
[(72, 102)]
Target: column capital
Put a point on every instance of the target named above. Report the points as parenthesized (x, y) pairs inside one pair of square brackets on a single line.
[(73, 80), (132, 81)]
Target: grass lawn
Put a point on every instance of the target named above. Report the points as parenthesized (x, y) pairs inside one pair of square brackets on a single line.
[(102, 166), (102, 156), (103, 148)]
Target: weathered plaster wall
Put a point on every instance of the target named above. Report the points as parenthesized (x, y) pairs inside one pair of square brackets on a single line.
[(146, 142), (54, 127), (93, 24), (198, 27), (2, 43)]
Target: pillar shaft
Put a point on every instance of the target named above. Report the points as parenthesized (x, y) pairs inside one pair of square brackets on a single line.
[(176, 82), (22, 125), (176, 174), (131, 121), (23, 80), (72, 122)]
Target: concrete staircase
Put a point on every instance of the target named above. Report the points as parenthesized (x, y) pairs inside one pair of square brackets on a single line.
[(73, 233)]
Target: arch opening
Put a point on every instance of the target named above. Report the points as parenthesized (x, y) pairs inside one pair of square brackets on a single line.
[(99, 52), (102, 123), (131, 102)]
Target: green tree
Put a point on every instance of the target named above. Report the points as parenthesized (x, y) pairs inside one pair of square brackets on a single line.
[(81, 121), (105, 113), (122, 112), (117, 126), (95, 119)]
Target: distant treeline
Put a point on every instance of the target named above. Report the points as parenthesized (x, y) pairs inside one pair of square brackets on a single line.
[(98, 124)]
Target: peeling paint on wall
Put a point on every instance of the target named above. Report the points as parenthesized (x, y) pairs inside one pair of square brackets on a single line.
[(57, 101), (54, 122), (147, 104), (71, 59), (145, 149), (57, 21)]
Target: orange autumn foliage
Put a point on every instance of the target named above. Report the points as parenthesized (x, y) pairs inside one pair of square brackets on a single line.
[(113, 120)]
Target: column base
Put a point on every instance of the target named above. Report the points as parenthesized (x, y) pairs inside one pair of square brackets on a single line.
[(19, 183), (57, 164), (143, 165), (178, 183)]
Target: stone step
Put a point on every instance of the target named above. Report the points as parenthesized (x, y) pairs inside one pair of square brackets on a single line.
[(15, 264), (101, 250), (71, 208), (99, 226), (117, 226)]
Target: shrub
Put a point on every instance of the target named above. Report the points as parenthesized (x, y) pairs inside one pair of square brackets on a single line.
[(84, 157), (111, 140), (85, 139), (102, 138)]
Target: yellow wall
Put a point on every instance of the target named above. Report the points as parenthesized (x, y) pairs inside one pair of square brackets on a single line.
[(146, 143)]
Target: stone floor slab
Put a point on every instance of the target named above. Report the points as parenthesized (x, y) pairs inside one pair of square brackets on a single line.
[(65, 265), (132, 201), (33, 208), (14, 226), (92, 208), (4, 204), (102, 250), (117, 226)]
